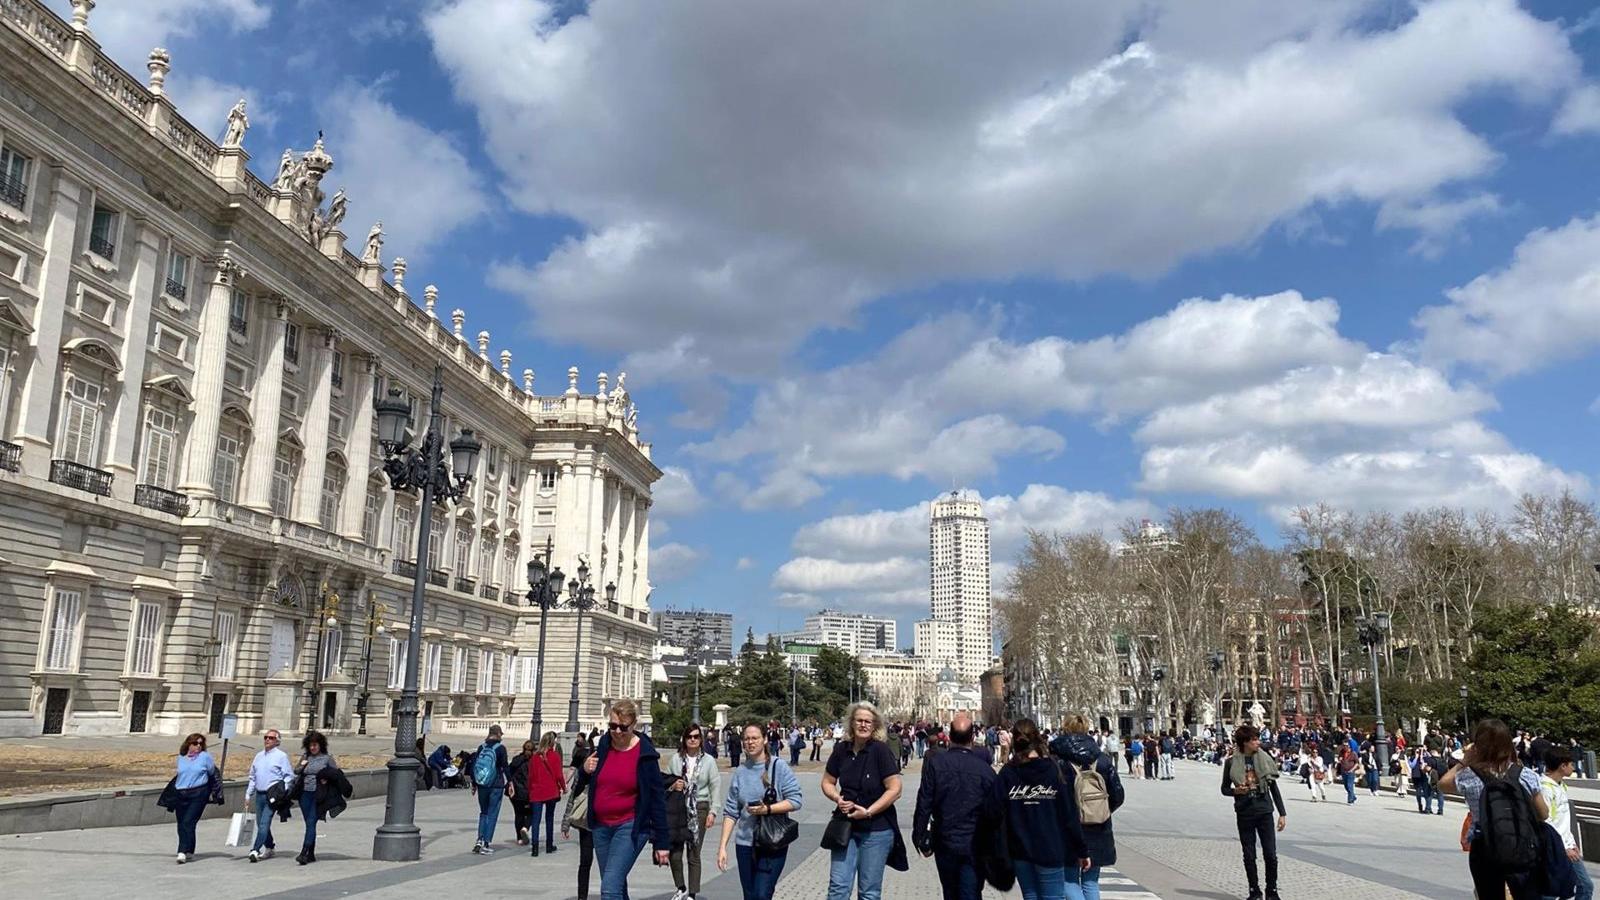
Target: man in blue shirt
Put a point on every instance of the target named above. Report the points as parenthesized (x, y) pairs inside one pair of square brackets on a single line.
[(270, 767)]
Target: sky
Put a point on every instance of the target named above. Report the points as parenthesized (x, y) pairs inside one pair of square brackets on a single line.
[(1090, 260)]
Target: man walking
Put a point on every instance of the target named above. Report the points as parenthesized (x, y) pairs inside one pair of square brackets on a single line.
[(271, 777), (489, 779), (954, 784), (1250, 777), (1558, 767)]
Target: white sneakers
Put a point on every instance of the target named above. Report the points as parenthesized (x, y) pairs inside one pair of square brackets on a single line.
[(481, 847), (254, 856), (680, 895), (182, 859)]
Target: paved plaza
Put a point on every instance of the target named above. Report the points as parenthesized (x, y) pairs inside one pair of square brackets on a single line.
[(1176, 841)]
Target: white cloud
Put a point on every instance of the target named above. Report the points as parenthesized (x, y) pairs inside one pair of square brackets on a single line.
[(675, 494), (744, 564), (397, 170), (811, 575), (205, 103), (129, 29), (1543, 307), (1436, 221), (1580, 113), (914, 148), (674, 562)]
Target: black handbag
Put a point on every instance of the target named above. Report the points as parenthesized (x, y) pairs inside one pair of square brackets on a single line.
[(837, 835), (774, 831)]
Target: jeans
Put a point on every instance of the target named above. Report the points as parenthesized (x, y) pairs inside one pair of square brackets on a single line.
[(1083, 884), (263, 822), (547, 809), (1166, 766), (1041, 882), (1438, 795), (794, 754), (613, 844), (191, 805), (488, 812), (1349, 787), (1372, 782), (1260, 826), (759, 871), (308, 811), (860, 862), (957, 876)]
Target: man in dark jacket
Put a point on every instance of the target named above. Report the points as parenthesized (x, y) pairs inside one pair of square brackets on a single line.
[(955, 782)]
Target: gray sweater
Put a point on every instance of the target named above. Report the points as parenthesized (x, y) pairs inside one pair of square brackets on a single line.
[(745, 788)]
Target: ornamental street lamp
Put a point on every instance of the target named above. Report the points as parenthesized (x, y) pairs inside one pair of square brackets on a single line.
[(1373, 631), (1466, 728), (794, 683), (544, 592), (581, 598), (1158, 674), (327, 605), (424, 469), (1215, 661), (375, 612), (696, 647)]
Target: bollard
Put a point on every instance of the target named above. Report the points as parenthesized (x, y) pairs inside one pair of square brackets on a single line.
[(1589, 770)]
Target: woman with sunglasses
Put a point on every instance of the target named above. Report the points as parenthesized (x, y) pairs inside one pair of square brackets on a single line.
[(195, 768), (628, 800), (747, 798), (697, 769)]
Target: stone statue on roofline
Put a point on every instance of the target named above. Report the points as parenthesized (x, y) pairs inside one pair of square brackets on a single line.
[(373, 254), (286, 170), (238, 124)]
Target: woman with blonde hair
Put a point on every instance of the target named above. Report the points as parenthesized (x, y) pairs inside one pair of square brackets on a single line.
[(863, 781), (545, 787), (627, 802)]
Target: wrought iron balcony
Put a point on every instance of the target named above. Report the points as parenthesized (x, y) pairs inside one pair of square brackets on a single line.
[(159, 498), (13, 191), (238, 325), (10, 457), (488, 592), (102, 246), (611, 607), (512, 597), (176, 290), (336, 379), (406, 568), (466, 585), (439, 577), (80, 477)]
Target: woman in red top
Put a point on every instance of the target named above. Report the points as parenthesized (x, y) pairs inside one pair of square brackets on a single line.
[(627, 806), (545, 787)]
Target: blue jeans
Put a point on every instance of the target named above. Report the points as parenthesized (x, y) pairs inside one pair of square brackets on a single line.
[(263, 821), (308, 811), (957, 876), (1083, 884), (1438, 795), (1349, 786), (1585, 883), (191, 805), (614, 846), (489, 799), (861, 862), (759, 871), (546, 809), (1041, 882)]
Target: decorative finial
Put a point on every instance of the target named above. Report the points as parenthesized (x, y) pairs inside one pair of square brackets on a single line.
[(159, 65), (458, 319), (483, 344), (505, 363), (430, 298), (572, 380), (399, 267), (527, 381), (602, 391), (80, 14)]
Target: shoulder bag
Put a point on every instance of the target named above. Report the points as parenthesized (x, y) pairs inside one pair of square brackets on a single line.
[(774, 831), (837, 835)]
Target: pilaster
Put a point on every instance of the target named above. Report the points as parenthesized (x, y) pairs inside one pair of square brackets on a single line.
[(566, 526), (358, 449), (308, 493), (265, 408), (125, 420), (55, 276), (594, 538), (211, 358)]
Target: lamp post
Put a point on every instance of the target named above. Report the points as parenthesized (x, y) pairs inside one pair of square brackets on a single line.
[(422, 468), (544, 591), (375, 611), (1466, 727), (696, 645), (327, 605), (794, 683), (1373, 631), (581, 598), (1158, 674), (1215, 661)]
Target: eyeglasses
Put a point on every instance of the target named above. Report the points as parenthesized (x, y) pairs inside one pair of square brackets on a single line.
[(618, 726)]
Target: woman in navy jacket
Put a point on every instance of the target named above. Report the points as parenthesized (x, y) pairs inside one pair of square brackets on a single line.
[(1042, 832), (627, 803), (1078, 751)]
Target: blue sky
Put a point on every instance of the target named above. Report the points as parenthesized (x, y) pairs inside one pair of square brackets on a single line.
[(1088, 259)]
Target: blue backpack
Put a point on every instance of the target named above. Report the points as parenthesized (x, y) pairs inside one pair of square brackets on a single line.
[(485, 765)]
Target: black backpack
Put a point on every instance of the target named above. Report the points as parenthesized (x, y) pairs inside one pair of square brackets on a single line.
[(1510, 829)]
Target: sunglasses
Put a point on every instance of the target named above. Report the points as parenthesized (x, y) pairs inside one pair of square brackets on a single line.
[(694, 737), (618, 726)]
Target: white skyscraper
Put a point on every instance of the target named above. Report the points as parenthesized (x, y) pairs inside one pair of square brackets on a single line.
[(958, 560)]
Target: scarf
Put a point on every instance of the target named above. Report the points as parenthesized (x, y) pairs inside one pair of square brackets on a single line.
[(1266, 770)]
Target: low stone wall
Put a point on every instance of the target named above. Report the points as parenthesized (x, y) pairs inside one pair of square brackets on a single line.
[(136, 805)]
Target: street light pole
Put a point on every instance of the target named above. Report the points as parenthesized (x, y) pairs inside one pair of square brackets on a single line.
[(544, 591), (1466, 726), (794, 681), (696, 639), (327, 603), (1372, 632), (375, 611), (1158, 674), (1215, 661), (581, 599), (399, 839)]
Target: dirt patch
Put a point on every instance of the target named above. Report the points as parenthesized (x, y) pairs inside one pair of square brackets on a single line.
[(34, 770)]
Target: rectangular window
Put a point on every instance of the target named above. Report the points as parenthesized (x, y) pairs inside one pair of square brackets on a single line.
[(235, 375), (436, 542), (485, 671), (13, 178), (405, 527), (61, 639), (177, 286), (103, 233), (146, 639), (491, 501), (336, 373), (160, 447), (530, 676), (547, 478), (284, 472), (239, 314), (291, 343), (332, 494), (430, 669), (289, 402), (458, 671), (225, 471), (332, 652), (397, 664), (492, 461), (486, 560), (80, 421), (369, 518), (463, 552), (226, 636), (508, 674), (508, 575), (168, 340), (335, 425)]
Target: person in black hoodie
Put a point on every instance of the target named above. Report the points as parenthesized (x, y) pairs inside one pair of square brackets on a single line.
[(1041, 828), (517, 781), (955, 785), (1250, 777), (1080, 753)]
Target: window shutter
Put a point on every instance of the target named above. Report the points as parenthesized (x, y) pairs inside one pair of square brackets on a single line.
[(63, 636)]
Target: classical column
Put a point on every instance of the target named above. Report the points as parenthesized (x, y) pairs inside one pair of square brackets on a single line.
[(358, 449), (39, 382), (566, 526), (314, 430), (641, 554), (265, 407), (613, 539), (625, 509), (595, 537), (125, 419), (211, 358)]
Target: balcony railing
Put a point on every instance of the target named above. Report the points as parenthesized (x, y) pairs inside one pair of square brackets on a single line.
[(466, 585), (102, 246), (488, 592), (406, 568), (13, 191), (10, 457), (81, 477), (439, 577), (176, 290), (239, 326), (511, 597), (291, 353), (336, 379), (611, 607), (161, 499)]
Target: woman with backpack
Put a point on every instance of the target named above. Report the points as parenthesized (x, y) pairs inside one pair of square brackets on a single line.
[(488, 781), (1250, 777), (1096, 791), (545, 787), (762, 785), (1136, 757), (1507, 810), (1042, 833)]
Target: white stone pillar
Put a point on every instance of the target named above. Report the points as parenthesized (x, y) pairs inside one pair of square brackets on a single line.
[(211, 359), (314, 430), (125, 419), (358, 449), (613, 534), (625, 542), (39, 382), (641, 553), (266, 404), (566, 527), (595, 524)]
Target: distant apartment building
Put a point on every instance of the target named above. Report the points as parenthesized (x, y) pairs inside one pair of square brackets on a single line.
[(683, 628), (958, 562)]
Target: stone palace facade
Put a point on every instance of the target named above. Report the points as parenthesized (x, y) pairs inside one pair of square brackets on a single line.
[(190, 488)]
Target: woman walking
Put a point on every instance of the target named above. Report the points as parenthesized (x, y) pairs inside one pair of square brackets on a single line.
[(517, 791), (580, 751), (1250, 777), (545, 787), (1042, 831), (862, 779), (1490, 758), (321, 788), (702, 787), (193, 784), (763, 785), (585, 839), (627, 807), (1082, 755)]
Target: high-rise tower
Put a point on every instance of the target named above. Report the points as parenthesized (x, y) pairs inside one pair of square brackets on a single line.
[(958, 561)]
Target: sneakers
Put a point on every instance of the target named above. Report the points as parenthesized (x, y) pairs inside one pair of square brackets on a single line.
[(679, 894), (551, 848), (477, 846), (255, 856), (268, 853), (182, 859), (1273, 895), (486, 850), (1255, 894)]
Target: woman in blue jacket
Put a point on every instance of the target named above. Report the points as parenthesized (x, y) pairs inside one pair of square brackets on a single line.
[(1042, 831), (193, 784), (747, 793), (627, 800)]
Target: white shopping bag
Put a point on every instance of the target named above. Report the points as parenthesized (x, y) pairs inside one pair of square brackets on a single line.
[(241, 830)]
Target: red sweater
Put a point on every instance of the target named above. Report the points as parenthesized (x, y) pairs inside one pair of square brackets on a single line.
[(616, 787), (544, 776)]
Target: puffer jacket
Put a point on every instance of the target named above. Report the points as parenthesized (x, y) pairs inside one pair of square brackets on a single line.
[(1078, 751)]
